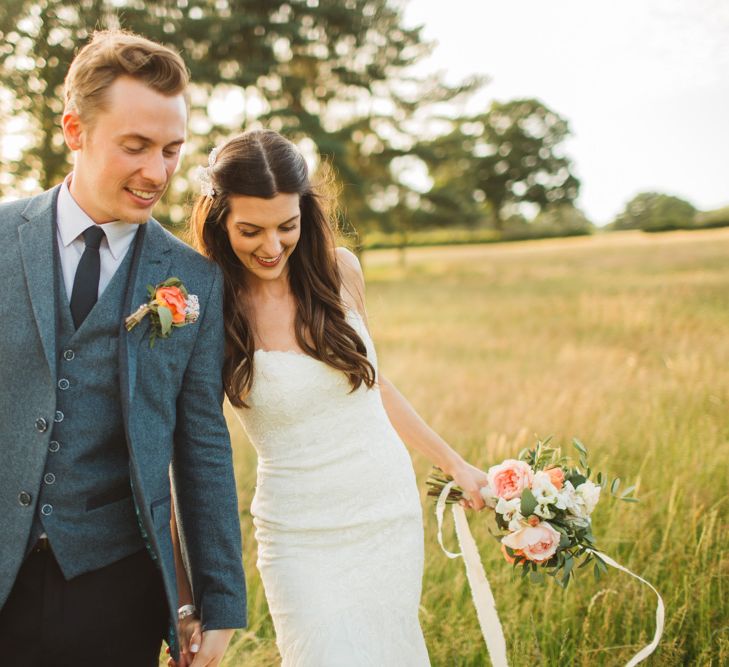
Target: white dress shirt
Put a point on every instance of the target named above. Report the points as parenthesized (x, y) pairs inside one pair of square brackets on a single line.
[(72, 223)]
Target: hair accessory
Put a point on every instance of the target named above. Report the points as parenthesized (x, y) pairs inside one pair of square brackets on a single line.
[(205, 175)]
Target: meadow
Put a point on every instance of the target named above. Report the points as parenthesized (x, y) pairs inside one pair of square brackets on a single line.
[(621, 340)]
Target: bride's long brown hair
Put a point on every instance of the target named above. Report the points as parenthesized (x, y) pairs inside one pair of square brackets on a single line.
[(262, 163)]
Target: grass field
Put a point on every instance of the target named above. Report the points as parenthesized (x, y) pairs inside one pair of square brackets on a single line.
[(621, 340)]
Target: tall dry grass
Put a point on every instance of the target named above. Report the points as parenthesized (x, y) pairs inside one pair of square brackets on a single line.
[(621, 340)]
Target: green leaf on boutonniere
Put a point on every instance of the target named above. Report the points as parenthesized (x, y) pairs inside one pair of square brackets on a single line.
[(171, 282), (528, 503), (165, 320)]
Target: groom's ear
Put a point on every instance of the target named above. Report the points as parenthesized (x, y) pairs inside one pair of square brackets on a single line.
[(73, 130)]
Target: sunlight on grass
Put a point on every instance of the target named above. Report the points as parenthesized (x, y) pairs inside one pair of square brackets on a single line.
[(621, 340)]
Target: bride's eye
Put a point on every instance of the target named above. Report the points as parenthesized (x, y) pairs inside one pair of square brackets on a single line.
[(248, 235)]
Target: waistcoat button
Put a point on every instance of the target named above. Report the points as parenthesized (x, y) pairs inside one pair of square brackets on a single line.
[(69, 355), (59, 416), (63, 384), (49, 478), (54, 446), (46, 509)]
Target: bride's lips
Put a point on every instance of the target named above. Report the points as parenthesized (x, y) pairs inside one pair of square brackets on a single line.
[(268, 263)]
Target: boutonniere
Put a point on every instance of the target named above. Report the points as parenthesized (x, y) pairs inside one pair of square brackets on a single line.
[(170, 305)]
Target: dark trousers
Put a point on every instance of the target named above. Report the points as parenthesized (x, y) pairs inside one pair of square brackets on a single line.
[(115, 616)]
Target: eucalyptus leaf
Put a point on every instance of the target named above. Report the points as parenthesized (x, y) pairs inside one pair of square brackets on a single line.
[(579, 446), (528, 503), (165, 320)]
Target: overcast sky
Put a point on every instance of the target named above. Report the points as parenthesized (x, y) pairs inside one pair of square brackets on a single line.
[(643, 83)]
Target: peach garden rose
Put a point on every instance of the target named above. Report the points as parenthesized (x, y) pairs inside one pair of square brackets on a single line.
[(537, 543), (508, 479), (172, 298)]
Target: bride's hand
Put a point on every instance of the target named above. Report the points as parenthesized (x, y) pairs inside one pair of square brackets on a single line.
[(471, 480), (189, 631)]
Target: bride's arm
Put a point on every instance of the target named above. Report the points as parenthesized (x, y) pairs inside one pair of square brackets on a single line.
[(189, 629), (409, 425)]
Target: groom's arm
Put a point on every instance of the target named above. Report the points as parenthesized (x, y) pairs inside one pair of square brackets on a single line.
[(202, 472)]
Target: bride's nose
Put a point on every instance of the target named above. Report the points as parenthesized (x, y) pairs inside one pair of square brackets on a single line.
[(272, 245)]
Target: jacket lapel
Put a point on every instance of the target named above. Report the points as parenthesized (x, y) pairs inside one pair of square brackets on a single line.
[(36, 248), (150, 266)]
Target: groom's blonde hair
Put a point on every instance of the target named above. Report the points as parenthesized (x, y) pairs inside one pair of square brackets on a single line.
[(114, 53)]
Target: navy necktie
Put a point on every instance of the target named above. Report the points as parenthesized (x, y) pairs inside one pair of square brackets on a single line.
[(86, 282)]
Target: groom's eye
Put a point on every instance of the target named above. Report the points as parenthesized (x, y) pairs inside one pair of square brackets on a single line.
[(133, 149)]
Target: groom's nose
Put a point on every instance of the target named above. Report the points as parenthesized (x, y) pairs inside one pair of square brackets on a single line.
[(154, 168)]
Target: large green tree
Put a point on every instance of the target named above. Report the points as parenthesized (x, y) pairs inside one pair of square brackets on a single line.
[(510, 155), (331, 72)]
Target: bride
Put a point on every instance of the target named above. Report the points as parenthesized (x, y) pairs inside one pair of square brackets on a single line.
[(336, 510)]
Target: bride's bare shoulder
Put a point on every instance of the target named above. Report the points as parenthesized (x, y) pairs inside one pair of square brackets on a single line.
[(353, 286)]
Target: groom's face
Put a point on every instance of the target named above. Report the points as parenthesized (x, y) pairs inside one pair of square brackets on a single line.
[(127, 152)]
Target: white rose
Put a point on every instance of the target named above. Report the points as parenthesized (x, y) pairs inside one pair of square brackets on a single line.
[(544, 491), (507, 508), (510, 511), (544, 512), (568, 499), (488, 496), (590, 494)]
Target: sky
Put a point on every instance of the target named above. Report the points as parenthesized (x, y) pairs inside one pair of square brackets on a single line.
[(644, 85)]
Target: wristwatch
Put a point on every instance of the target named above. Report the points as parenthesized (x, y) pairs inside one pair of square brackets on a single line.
[(186, 610)]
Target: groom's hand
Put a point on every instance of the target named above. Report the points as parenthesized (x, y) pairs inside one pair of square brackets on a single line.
[(212, 648)]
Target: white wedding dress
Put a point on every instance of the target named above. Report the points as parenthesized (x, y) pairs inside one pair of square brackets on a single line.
[(337, 516)]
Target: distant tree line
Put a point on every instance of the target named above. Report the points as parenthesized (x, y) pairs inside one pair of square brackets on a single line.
[(659, 212)]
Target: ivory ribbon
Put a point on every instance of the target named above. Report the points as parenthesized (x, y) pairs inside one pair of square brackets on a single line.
[(483, 599), (660, 611)]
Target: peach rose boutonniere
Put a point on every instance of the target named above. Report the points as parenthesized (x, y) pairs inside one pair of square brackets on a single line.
[(170, 305)]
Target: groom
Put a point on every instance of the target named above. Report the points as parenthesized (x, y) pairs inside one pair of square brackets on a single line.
[(92, 416)]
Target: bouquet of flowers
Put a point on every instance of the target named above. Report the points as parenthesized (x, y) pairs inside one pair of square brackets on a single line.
[(543, 504)]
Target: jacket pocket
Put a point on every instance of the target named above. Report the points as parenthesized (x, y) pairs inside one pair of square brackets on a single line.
[(114, 494)]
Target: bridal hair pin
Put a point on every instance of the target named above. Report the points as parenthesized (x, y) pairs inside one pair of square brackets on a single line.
[(205, 175)]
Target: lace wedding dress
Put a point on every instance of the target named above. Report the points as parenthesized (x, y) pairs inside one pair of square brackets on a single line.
[(337, 516)]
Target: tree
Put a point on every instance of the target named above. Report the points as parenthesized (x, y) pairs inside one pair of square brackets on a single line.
[(331, 74), (654, 211), (511, 154)]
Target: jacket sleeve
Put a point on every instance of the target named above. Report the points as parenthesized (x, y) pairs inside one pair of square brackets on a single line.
[(202, 473)]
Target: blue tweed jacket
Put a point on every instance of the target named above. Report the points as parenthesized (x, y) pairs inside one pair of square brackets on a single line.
[(171, 397)]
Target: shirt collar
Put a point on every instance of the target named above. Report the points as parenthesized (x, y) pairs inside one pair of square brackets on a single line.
[(73, 221)]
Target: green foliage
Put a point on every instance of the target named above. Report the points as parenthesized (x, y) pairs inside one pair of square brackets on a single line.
[(334, 73), (655, 212), (716, 218), (509, 155)]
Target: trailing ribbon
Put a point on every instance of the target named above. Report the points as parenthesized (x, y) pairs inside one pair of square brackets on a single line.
[(660, 611), (483, 599)]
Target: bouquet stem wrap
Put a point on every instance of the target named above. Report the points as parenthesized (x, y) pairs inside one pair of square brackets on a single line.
[(483, 599)]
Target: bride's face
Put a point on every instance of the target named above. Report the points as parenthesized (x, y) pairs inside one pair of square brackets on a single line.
[(264, 232)]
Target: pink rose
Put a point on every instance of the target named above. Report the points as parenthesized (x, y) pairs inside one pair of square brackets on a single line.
[(538, 543), (508, 479)]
